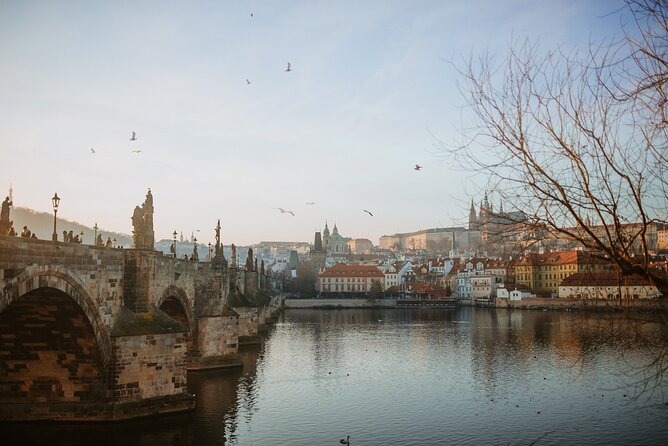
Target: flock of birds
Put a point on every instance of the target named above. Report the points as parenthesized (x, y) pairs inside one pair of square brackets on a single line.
[(281, 210), (311, 203), (132, 138)]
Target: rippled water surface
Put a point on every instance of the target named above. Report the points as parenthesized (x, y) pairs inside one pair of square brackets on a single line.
[(410, 377)]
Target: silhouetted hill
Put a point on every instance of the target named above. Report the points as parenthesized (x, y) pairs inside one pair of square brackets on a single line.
[(41, 223)]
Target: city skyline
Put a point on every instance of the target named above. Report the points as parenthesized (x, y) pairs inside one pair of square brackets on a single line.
[(223, 130)]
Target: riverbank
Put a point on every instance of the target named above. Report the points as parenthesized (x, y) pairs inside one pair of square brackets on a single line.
[(560, 304), (566, 304)]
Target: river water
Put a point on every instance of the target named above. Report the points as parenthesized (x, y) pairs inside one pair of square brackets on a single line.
[(418, 377)]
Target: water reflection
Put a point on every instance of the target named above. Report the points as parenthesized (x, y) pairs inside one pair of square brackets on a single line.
[(419, 377)]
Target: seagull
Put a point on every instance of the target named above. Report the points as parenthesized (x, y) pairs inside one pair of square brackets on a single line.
[(251, 15), (136, 151), (289, 68), (247, 81), (311, 203), (367, 212), (286, 211), (92, 150), (134, 137), (418, 167)]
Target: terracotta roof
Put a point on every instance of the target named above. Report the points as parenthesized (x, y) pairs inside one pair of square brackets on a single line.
[(562, 258), (343, 270), (608, 278), (428, 288)]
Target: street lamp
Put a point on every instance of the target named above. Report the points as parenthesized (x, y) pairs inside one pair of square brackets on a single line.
[(95, 237), (174, 245), (209, 245), (55, 201)]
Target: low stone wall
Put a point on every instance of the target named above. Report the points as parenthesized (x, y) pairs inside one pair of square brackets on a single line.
[(339, 303), (559, 303)]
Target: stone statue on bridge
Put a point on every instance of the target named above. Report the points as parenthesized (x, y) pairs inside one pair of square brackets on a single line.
[(5, 223), (249, 260), (142, 224)]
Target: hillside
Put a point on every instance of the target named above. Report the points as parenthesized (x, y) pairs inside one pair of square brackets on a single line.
[(41, 223)]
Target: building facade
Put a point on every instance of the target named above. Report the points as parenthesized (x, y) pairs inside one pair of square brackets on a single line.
[(543, 273), (342, 278)]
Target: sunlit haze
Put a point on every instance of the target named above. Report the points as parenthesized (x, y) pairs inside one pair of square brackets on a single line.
[(224, 131)]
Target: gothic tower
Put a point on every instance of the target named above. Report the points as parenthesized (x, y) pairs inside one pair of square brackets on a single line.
[(473, 220), (318, 254), (326, 238)]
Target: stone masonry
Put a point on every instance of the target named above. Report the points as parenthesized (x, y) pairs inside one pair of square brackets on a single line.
[(96, 334)]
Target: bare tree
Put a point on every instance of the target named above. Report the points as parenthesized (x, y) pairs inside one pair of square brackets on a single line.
[(576, 143)]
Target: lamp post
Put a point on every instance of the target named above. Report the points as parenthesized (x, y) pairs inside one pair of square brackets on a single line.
[(55, 201), (174, 245), (209, 245), (95, 236)]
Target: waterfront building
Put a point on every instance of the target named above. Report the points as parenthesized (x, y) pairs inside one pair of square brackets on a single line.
[(342, 278), (477, 278), (514, 292), (391, 279), (607, 285), (543, 273)]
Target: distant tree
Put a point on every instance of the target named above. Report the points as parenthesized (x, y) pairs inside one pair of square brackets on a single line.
[(376, 289), (307, 277)]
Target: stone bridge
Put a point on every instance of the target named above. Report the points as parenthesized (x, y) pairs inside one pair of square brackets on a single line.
[(90, 333)]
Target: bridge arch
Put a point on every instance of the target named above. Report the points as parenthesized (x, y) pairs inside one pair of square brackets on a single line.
[(174, 301), (55, 345)]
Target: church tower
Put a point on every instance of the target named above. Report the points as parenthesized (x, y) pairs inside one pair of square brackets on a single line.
[(318, 254), (326, 240), (473, 220)]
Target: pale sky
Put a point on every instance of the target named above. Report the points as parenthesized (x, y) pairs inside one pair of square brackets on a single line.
[(370, 89)]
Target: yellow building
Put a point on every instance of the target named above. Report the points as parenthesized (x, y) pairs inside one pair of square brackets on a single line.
[(543, 273)]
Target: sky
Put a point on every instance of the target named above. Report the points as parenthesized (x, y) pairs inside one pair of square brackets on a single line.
[(226, 133)]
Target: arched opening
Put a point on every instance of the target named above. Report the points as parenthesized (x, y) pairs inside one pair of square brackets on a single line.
[(48, 351), (174, 309)]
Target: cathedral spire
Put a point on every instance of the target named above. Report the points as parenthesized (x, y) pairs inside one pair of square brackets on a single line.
[(472, 217)]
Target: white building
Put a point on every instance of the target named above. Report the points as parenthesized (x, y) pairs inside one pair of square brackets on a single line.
[(607, 285)]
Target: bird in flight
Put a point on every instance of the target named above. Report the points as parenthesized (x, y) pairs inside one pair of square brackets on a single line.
[(247, 81), (136, 151), (92, 150), (367, 212), (134, 137), (251, 15), (311, 203), (417, 167), (289, 68), (286, 211)]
